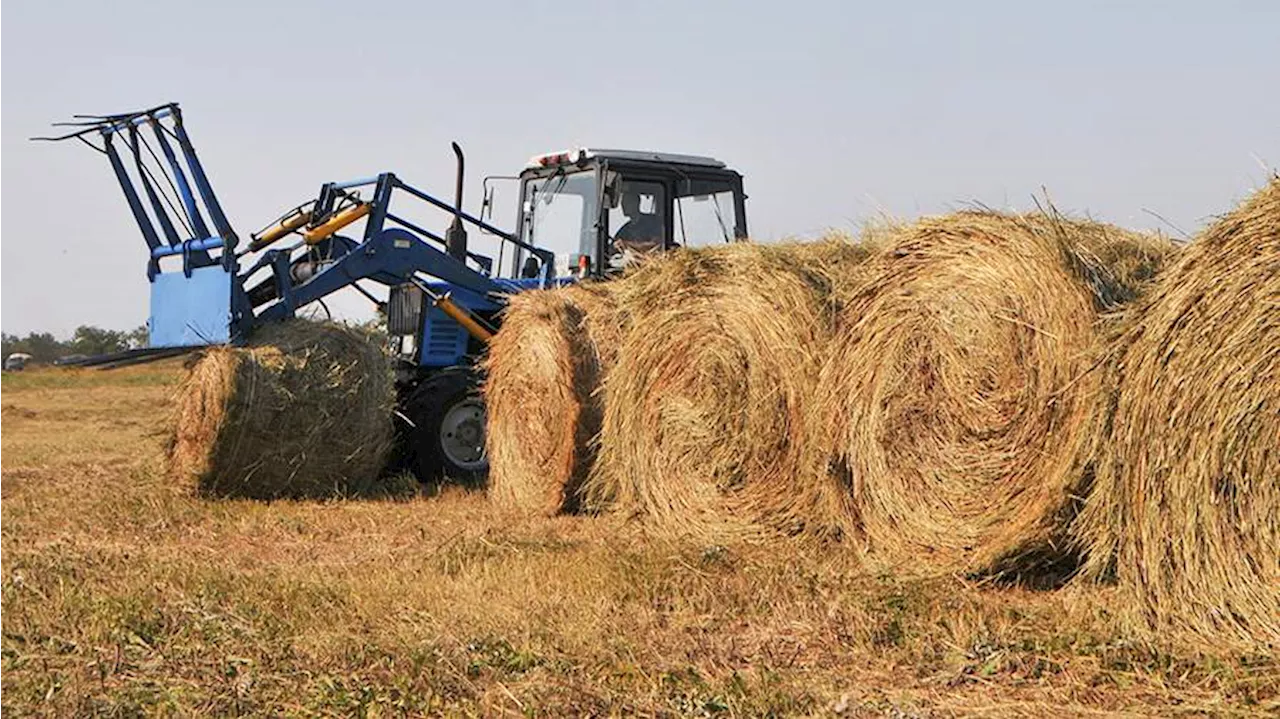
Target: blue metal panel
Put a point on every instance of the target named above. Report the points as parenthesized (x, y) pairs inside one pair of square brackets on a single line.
[(190, 311), (444, 341)]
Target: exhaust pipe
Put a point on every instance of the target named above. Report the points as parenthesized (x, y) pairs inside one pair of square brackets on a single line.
[(455, 238)]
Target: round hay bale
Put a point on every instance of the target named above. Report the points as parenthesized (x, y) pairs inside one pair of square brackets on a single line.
[(958, 398), (702, 434), (1185, 509), (303, 412), (543, 369)]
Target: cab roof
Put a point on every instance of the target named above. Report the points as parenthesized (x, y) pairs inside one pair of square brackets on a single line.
[(582, 154)]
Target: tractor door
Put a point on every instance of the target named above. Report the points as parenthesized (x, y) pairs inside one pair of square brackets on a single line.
[(649, 207), (635, 217)]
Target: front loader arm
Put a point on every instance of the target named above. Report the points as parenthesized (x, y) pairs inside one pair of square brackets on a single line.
[(392, 257)]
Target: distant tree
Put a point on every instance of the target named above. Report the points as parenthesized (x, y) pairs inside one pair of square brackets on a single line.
[(89, 340), (9, 344), (138, 337), (42, 346)]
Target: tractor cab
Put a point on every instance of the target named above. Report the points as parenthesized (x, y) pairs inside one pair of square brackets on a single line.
[(597, 210)]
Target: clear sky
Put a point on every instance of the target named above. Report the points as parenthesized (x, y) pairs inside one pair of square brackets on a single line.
[(834, 111)]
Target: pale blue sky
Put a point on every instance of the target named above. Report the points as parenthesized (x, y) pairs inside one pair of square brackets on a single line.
[(834, 111)]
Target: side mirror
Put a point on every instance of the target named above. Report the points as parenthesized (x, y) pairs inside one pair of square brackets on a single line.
[(489, 188)]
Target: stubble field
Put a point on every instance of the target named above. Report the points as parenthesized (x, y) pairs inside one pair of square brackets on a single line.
[(125, 595)]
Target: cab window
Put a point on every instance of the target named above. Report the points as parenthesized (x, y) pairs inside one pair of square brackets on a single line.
[(704, 213)]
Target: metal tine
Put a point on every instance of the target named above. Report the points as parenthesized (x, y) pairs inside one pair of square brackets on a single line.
[(96, 122), (88, 127), (85, 131), (122, 115)]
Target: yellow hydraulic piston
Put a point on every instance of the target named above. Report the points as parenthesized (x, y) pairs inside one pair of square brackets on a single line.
[(335, 223), (280, 229), (462, 317)]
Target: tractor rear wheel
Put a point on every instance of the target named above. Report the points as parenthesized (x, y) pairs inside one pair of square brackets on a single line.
[(449, 418)]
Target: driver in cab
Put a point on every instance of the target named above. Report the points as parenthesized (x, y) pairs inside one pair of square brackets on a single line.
[(642, 231)]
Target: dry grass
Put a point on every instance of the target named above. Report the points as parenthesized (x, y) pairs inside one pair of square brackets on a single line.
[(959, 395), (1186, 506), (125, 595), (702, 433), (543, 370), (305, 411)]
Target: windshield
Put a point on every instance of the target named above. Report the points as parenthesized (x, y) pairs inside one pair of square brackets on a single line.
[(560, 215)]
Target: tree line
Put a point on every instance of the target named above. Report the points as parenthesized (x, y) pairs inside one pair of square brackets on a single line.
[(86, 340)]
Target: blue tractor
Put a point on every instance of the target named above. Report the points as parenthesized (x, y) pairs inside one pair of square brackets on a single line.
[(583, 214)]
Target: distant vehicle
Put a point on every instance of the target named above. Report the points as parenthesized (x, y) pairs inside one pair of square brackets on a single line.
[(70, 360), (16, 361)]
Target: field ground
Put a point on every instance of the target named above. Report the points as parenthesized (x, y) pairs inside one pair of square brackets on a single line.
[(124, 595)]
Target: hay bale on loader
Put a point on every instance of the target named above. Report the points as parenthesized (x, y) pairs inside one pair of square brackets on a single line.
[(305, 411), (543, 370), (703, 433), (1185, 509), (958, 397)]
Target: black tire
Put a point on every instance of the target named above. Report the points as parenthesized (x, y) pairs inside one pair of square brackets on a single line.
[(448, 437)]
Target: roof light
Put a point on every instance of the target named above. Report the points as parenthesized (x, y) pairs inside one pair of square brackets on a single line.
[(555, 158), (559, 158), (582, 154)]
